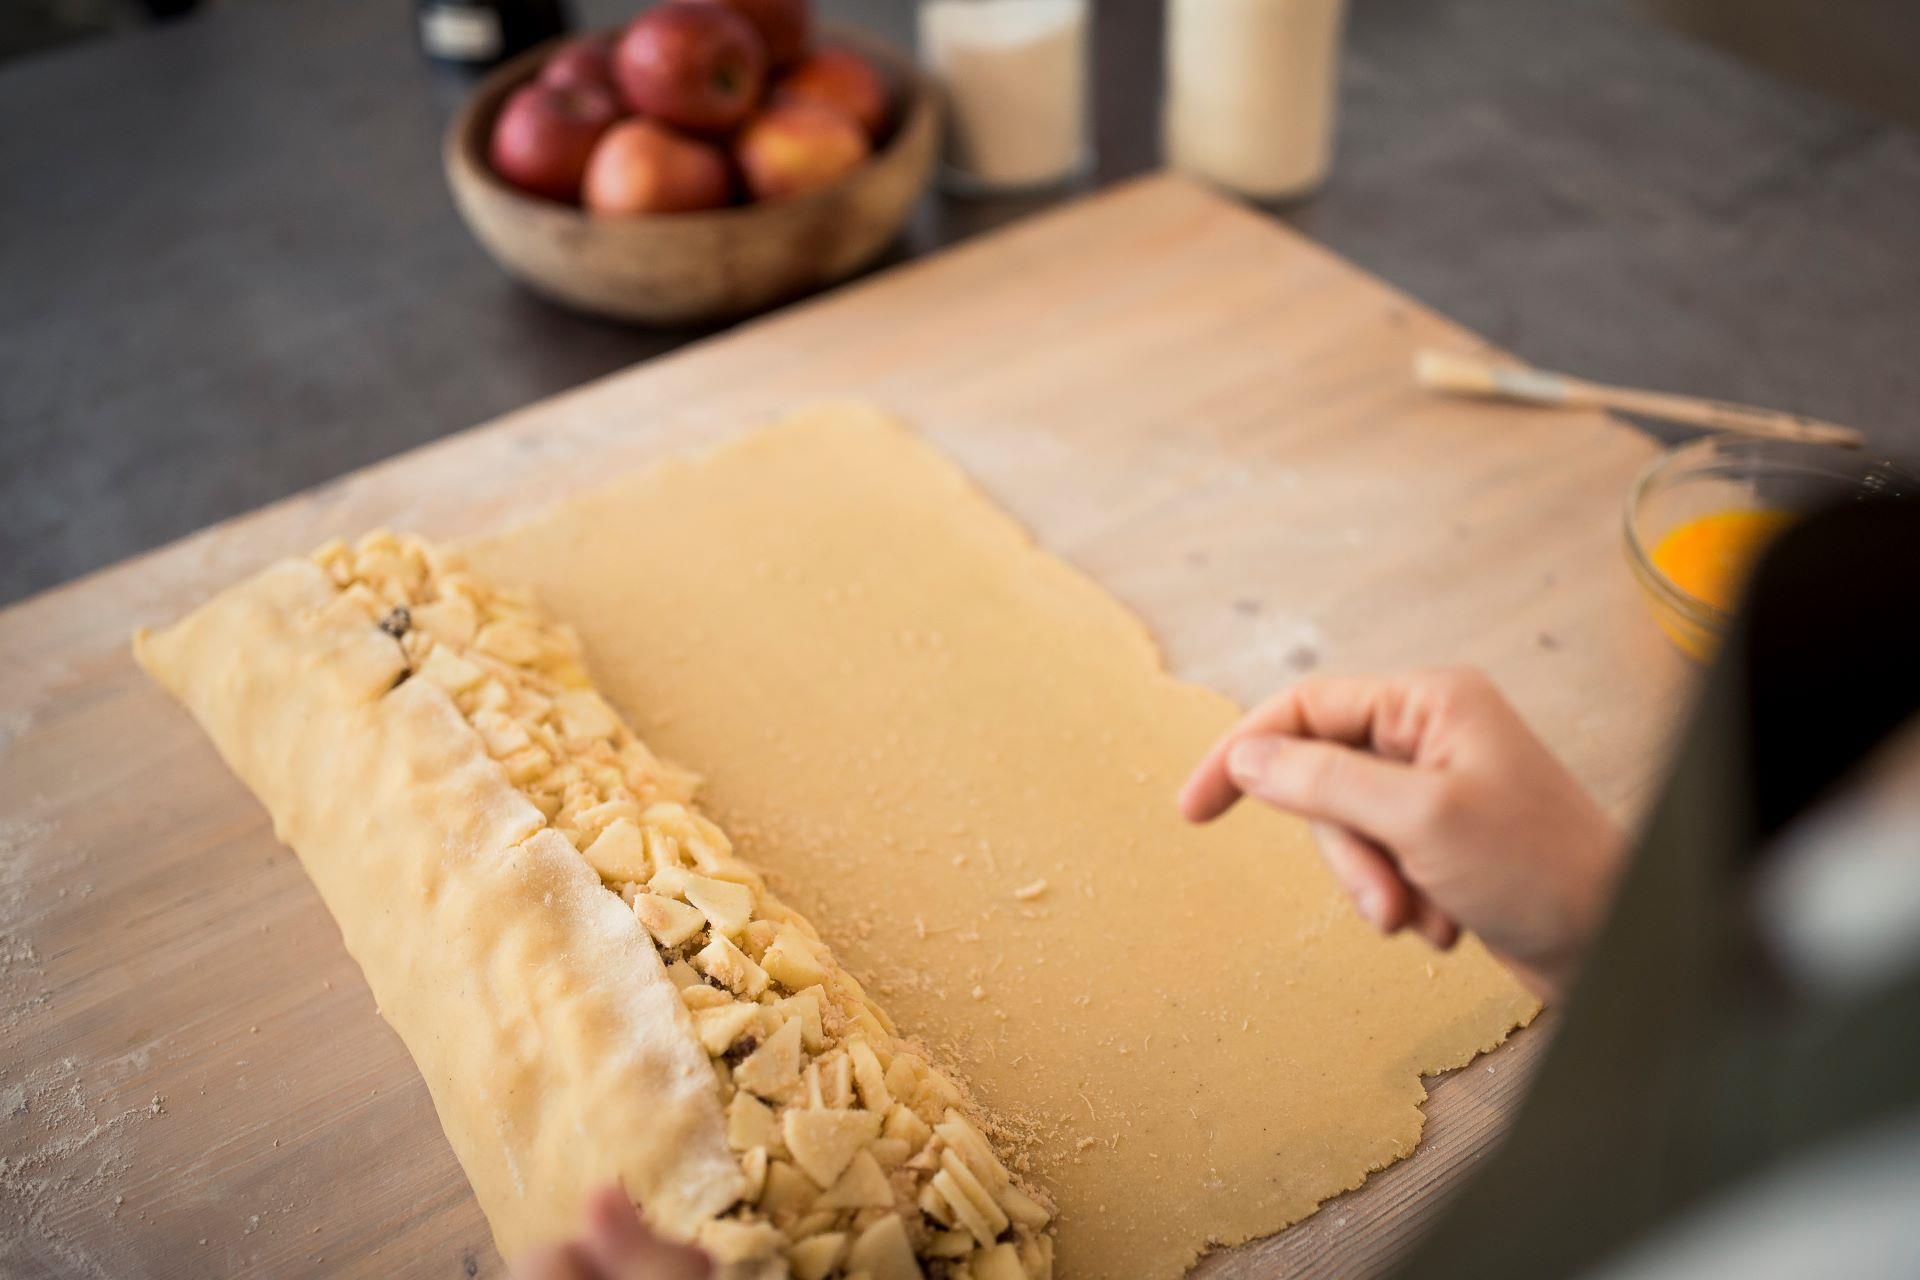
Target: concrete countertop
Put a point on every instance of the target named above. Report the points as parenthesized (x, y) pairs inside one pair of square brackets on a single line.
[(231, 269)]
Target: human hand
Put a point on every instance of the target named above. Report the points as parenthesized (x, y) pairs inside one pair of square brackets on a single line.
[(1435, 807), (614, 1244)]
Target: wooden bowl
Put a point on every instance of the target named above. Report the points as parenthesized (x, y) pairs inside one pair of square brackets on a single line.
[(689, 268)]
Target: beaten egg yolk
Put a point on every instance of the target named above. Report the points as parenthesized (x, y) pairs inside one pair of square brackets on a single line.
[(1709, 557)]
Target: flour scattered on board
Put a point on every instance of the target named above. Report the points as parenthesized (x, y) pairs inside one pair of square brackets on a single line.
[(58, 1142), (58, 1146), (14, 723), (20, 840)]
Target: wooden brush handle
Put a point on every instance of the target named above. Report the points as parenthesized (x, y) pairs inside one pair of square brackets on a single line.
[(1460, 374), (1715, 415)]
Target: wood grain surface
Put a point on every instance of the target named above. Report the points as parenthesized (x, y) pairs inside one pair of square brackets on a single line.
[(1211, 415)]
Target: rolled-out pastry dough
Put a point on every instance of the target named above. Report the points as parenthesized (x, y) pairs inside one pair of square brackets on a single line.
[(910, 715), (592, 986)]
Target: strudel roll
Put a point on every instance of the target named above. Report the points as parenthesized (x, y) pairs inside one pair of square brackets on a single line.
[(592, 983)]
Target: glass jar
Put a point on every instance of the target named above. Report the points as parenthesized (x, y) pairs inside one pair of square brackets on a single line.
[(473, 36), (1014, 73), (1250, 92)]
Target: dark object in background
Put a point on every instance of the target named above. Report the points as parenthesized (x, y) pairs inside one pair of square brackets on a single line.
[(472, 36), (1688, 1065)]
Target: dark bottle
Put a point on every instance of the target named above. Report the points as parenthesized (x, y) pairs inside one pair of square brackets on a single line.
[(473, 35)]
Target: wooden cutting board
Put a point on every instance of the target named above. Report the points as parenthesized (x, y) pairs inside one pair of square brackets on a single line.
[(1211, 415)]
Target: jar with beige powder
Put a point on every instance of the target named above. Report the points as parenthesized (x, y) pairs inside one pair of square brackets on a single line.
[(1015, 77), (1250, 92)]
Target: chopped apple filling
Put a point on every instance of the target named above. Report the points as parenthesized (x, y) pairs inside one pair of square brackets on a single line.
[(861, 1159)]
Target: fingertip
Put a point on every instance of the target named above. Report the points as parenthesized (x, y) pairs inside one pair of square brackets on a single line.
[(611, 1215), (1199, 809), (1439, 929), (1386, 906), (1365, 873), (549, 1262), (1205, 795)]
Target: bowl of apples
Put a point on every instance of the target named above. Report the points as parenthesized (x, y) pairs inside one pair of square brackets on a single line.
[(710, 159)]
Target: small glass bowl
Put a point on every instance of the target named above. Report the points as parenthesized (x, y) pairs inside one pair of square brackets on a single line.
[(1722, 473)]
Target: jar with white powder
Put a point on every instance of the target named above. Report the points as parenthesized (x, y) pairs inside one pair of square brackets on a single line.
[(1015, 77), (1250, 92)]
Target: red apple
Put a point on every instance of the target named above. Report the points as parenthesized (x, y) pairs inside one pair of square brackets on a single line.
[(698, 66), (793, 147), (785, 25), (838, 78), (543, 136), (585, 61), (640, 166)]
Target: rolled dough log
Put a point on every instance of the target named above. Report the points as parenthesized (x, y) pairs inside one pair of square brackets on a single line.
[(593, 985)]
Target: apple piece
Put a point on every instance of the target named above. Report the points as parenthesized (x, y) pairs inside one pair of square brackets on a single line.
[(701, 997), (805, 1006), (815, 1257), (738, 1247), (451, 671), (972, 1204), (788, 1192), (786, 26), (909, 1128), (884, 1252), (587, 60), (862, 1186), (727, 906), (999, 1262), (695, 66), (791, 961), (949, 1244), (773, 1069), (643, 167), (750, 1123), (754, 1164), (728, 965), (757, 935), (585, 718), (869, 1077), (669, 879), (618, 853), (670, 921), (1022, 1208), (890, 1152), (795, 147), (966, 1142), (904, 1074), (824, 1142), (722, 1025), (543, 137), (838, 78)]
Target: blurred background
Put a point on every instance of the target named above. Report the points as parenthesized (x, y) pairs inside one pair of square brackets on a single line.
[(1859, 51), (233, 268)]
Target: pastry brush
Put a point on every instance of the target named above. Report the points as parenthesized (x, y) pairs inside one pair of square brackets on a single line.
[(1456, 373)]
